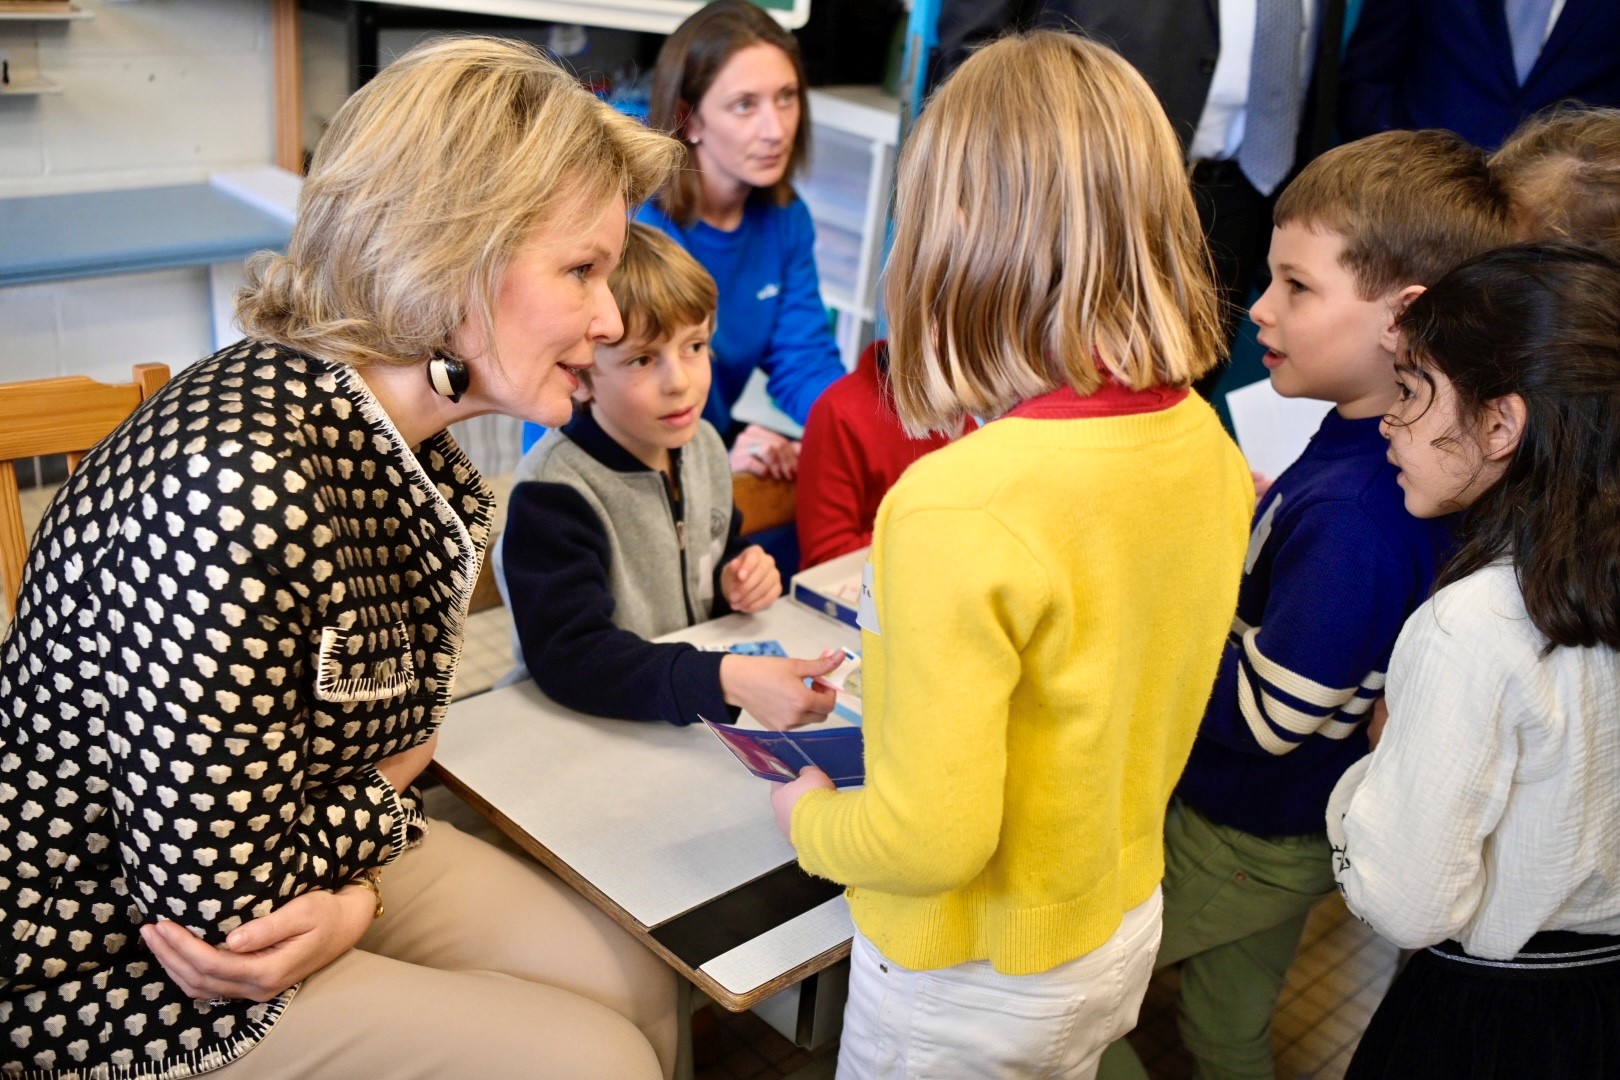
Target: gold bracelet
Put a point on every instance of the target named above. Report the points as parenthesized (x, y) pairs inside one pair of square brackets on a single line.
[(372, 879)]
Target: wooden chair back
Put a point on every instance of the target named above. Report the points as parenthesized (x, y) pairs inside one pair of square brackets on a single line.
[(765, 502), (43, 417)]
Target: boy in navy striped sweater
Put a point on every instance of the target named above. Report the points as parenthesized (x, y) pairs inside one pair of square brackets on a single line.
[(1334, 566)]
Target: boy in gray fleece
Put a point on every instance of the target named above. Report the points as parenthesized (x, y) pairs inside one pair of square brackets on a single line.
[(621, 528)]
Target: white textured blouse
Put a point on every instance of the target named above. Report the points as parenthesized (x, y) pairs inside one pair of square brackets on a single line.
[(1491, 808)]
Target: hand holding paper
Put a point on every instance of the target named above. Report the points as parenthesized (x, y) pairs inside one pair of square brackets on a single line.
[(774, 692), (837, 753), (786, 796)]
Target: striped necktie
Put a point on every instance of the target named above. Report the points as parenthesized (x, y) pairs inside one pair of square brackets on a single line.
[(1527, 29), (1271, 116)]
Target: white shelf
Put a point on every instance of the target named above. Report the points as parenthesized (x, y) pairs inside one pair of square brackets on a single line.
[(860, 110), (44, 16), (854, 130), (654, 16), (19, 45), (29, 87), (840, 300), (825, 212)]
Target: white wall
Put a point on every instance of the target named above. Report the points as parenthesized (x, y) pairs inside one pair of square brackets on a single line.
[(154, 92)]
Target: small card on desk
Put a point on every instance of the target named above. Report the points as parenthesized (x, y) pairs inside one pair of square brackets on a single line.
[(749, 648), (779, 755), (833, 588), (846, 677)]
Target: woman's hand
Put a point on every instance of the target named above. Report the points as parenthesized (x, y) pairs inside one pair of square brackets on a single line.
[(266, 956), (772, 689), (403, 768), (751, 582), (763, 452), (787, 796)]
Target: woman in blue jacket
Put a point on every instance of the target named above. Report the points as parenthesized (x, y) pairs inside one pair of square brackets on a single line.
[(729, 84)]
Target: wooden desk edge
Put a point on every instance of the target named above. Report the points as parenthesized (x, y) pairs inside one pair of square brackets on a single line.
[(732, 1001)]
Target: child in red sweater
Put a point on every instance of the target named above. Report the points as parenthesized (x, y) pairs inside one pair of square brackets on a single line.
[(854, 450)]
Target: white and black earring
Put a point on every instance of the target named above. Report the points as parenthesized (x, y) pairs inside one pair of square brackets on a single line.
[(448, 376)]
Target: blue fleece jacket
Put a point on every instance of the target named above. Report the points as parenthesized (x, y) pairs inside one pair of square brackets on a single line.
[(771, 315), (1335, 565)]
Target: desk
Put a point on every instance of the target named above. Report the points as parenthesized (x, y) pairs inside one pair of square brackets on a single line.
[(659, 826)]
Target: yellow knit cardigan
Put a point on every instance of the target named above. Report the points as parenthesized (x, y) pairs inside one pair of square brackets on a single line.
[(1052, 596)]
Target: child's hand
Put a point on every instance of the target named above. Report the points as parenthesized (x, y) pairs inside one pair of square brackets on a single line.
[(763, 452), (786, 796), (1262, 484), (750, 582), (773, 690), (1375, 726)]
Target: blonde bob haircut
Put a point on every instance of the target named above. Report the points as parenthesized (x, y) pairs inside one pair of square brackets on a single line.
[(1045, 237), (427, 181)]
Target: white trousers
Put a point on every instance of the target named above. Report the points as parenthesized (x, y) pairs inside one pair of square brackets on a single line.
[(974, 1023)]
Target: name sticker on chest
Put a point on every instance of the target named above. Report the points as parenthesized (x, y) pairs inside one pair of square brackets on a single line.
[(866, 616)]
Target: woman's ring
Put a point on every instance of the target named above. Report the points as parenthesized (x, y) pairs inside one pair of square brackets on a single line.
[(217, 1001)]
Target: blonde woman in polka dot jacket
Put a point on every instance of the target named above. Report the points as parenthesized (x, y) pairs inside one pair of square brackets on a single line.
[(242, 616)]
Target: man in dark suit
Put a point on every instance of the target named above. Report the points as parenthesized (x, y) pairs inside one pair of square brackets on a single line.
[(1272, 72), (1477, 67)]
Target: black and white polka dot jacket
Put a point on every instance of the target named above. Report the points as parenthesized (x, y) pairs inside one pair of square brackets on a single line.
[(245, 597)]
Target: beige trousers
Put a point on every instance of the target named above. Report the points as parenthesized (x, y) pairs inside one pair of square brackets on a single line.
[(481, 966)]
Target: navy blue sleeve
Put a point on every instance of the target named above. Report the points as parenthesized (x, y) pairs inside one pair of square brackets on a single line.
[(1375, 65), (1316, 662), (555, 556), (802, 360)]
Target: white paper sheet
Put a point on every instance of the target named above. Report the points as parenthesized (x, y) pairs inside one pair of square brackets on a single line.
[(1271, 429), (755, 406)]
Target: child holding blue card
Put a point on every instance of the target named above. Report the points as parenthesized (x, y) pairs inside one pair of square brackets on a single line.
[(1046, 597)]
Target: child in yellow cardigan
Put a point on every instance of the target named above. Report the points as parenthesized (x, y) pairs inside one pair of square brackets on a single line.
[(1048, 596)]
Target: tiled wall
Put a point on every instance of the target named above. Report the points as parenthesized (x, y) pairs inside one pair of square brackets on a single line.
[(153, 92)]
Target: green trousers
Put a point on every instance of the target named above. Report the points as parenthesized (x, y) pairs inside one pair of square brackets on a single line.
[(1234, 908)]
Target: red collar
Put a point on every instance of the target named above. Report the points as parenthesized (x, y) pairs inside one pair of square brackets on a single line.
[(1109, 399)]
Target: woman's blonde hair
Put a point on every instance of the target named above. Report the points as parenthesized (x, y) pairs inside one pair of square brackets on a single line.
[(1045, 235), (1561, 169), (427, 181)]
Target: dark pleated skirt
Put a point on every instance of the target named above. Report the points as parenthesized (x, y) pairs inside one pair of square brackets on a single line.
[(1552, 1013)]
